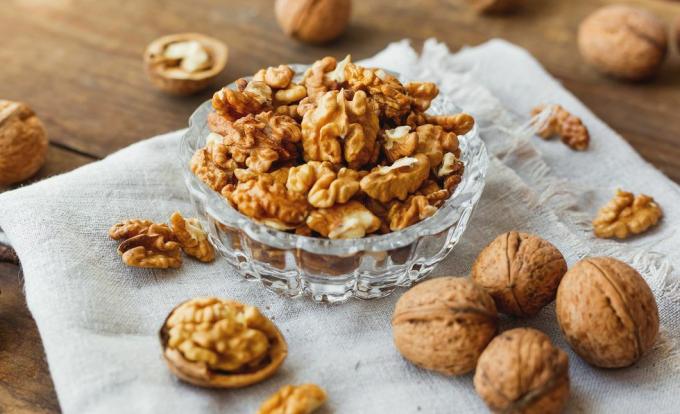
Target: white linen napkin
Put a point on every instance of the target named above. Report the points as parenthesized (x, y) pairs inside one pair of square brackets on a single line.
[(99, 319)]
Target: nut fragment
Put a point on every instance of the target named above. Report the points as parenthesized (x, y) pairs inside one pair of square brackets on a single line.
[(129, 228), (218, 343), (275, 77), (403, 214), (624, 42), (398, 180), (203, 166), (399, 142), (521, 371), (443, 324), (23, 142), (250, 98), (151, 250), (520, 271), (421, 94), (192, 237), (184, 63), (294, 399), (569, 127), (626, 215), (343, 221), (607, 312), (313, 21)]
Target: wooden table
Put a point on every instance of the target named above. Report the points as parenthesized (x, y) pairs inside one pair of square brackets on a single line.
[(78, 64)]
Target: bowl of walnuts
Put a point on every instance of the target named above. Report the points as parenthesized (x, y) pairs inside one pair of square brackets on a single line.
[(333, 180)]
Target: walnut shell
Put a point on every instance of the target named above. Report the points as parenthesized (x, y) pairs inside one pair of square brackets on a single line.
[(520, 271), (444, 324), (495, 6), (23, 142), (199, 370), (521, 371), (169, 78), (313, 21), (623, 42), (607, 312)]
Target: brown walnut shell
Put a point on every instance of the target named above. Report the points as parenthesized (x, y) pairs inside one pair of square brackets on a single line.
[(521, 371), (495, 6), (189, 83), (313, 21), (623, 42), (444, 324), (520, 271), (23, 142), (607, 312)]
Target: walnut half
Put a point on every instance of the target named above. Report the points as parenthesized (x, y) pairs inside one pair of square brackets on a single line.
[(569, 127), (217, 343), (192, 237), (294, 399), (626, 215)]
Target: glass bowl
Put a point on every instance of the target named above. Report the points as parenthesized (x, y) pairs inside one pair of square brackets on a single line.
[(335, 270)]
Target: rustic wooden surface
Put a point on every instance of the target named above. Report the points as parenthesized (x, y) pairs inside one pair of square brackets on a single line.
[(78, 64)]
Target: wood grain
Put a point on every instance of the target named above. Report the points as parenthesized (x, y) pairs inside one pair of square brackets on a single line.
[(78, 64)]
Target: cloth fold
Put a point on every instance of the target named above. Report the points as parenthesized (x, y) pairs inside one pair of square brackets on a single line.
[(99, 320)]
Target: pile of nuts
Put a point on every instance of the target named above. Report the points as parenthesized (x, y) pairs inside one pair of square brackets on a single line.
[(158, 245), (604, 308), (344, 152)]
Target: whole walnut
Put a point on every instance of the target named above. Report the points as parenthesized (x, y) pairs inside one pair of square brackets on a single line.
[(623, 42), (607, 312), (521, 371), (495, 6), (23, 142), (444, 324), (313, 21), (520, 271)]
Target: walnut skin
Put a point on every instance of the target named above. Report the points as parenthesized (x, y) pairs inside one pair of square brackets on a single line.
[(607, 312), (626, 215), (192, 237), (521, 371), (623, 42), (569, 127), (520, 271), (443, 324), (23, 142), (294, 399), (211, 342), (313, 21)]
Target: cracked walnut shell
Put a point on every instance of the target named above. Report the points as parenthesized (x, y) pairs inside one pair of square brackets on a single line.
[(398, 180), (343, 221), (521, 371), (23, 142), (626, 215), (520, 271), (607, 312), (211, 342), (192, 237), (294, 399), (185, 63), (443, 324)]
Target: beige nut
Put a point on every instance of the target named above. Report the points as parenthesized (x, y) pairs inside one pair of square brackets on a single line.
[(217, 343), (495, 6), (192, 237), (343, 221), (521, 371), (397, 180), (294, 399), (313, 21), (623, 42), (607, 312), (156, 248), (626, 215), (520, 271), (444, 324), (184, 63), (23, 142)]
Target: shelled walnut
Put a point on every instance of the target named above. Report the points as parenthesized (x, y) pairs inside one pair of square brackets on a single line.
[(567, 126), (296, 153), (626, 215), (294, 399), (184, 63), (443, 324), (521, 371), (520, 271), (23, 142), (192, 237), (217, 343), (607, 312), (151, 249)]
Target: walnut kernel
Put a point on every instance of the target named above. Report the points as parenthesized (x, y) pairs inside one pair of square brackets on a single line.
[(626, 215), (192, 237), (294, 399), (560, 122), (343, 221)]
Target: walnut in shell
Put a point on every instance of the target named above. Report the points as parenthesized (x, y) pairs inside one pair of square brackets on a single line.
[(294, 399), (313, 21), (23, 142), (607, 312), (184, 63), (521, 371), (520, 271), (495, 6), (444, 324), (217, 343), (624, 42)]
